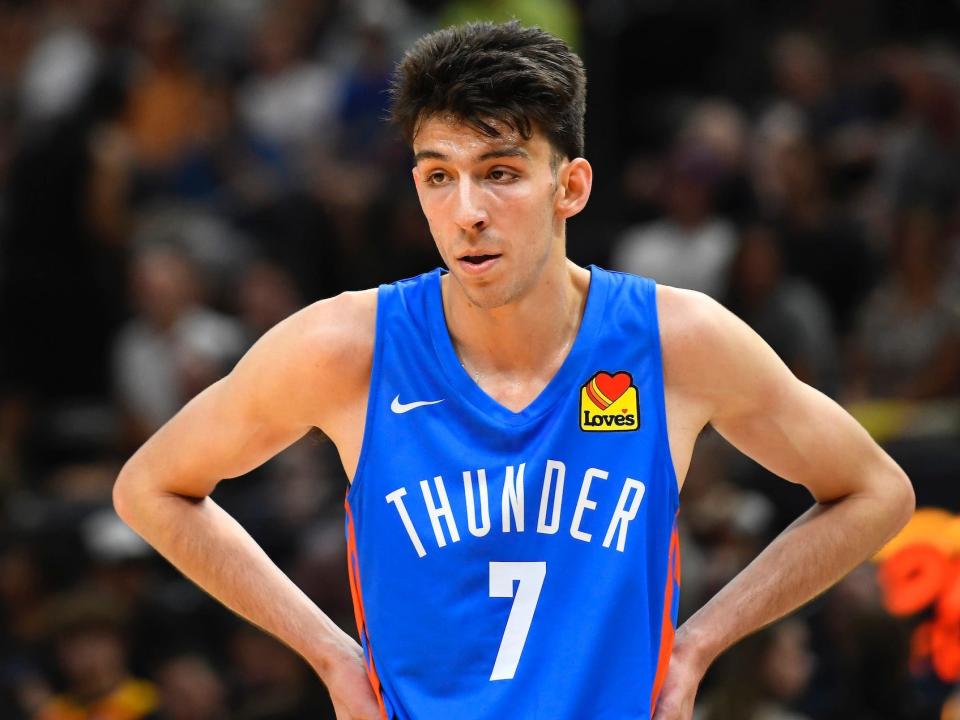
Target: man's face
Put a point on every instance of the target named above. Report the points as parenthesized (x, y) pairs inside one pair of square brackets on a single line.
[(490, 204)]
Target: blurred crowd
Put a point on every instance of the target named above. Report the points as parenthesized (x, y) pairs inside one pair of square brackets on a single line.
[(176, 177)]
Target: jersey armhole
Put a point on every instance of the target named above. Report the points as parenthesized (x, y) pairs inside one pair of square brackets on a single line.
[(373, 395), (662, 404)]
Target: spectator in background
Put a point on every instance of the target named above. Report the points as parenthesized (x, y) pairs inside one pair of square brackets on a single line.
[(87, 633), (17, 33), (821, 241), (265, 296), (174, 346), (920, 164), (863, 653), (21, 593), (802, 71), (364, 102), (290, 99), (691, 247), (908, 339), (273, 683), (720, 129), (165, 99), (23, 689), (787, 313), (61, 67), (408, 248), (47, 249), (191, 689), (760, 678), (726, 524), (225, 164)]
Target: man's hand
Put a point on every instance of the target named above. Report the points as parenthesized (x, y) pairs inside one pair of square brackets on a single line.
[(679, 690), (349, 686)]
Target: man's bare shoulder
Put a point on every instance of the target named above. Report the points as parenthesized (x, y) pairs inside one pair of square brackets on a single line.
[(709, 354), (317, 359), (337, 329), (714, 359), (690, 327)]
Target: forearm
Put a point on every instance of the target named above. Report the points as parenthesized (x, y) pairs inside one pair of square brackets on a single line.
[(813, 553), (212, 549)]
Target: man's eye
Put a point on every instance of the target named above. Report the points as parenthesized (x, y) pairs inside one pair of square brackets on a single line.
[(435, 178), (501, 175)]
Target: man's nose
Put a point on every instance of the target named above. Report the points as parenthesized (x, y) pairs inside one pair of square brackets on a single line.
[(471, 214)]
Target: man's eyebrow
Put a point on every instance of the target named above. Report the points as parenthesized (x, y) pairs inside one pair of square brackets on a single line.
[(428, 155), (509, 151)]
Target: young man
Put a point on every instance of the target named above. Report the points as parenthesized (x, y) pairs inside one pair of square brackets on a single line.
[(517, 430)]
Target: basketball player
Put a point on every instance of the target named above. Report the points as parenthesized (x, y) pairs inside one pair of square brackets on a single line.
[(516, 429)]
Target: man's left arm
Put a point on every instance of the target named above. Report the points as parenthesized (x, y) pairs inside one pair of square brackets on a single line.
[(729, 375)]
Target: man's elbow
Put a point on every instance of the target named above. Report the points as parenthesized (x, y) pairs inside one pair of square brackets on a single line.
[(133, 494), (123, 491), (139, 492), (901, 498)]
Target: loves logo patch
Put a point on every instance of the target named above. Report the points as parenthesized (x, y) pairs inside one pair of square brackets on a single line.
[(609, 403)]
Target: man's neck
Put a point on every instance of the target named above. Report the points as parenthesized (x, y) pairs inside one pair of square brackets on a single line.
[(525, 338)]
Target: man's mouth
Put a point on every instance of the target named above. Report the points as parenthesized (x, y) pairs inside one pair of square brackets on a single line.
[(478, 263), (478, 259)]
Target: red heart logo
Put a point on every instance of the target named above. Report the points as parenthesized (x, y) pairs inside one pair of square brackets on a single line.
[(605, 389)]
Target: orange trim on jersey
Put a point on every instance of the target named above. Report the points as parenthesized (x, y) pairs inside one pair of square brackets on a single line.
[(353, 572), (667, 633)]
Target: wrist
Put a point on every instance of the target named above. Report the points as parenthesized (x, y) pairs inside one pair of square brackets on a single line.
[(693, 648), (330, 654)]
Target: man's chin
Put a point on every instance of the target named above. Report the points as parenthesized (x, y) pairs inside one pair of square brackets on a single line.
[(483, 295)]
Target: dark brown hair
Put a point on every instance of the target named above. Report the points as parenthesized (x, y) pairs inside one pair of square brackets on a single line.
[(478, 72)]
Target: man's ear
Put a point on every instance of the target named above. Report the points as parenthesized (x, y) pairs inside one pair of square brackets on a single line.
[(574, 180)]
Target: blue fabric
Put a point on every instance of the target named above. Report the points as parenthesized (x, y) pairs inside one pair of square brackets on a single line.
[(595, 579)]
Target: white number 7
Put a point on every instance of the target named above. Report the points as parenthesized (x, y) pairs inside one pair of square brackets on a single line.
[(502, 575)]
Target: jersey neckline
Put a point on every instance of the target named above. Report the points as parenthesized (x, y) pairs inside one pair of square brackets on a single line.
[(567, 378)]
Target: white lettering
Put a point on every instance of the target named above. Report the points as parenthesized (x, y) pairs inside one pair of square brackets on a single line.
[(396, 499), (584, 503), (484, 503), (558, 469), (443, 511), (621, 517), (513, 498)]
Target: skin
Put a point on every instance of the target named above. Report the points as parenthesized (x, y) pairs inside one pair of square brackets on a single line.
[(511, 326)]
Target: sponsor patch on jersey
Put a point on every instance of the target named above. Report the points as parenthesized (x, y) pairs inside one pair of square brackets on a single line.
[(609, 403)]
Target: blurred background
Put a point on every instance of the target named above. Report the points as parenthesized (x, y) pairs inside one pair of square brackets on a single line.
[(176, 177)]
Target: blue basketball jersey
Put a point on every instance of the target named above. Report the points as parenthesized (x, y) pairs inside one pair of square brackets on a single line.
[(516, 564)]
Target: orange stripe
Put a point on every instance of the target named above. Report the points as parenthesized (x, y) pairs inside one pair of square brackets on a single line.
[(595, 396), (608, 402), (601, 394), (353, 571), (667, 633)]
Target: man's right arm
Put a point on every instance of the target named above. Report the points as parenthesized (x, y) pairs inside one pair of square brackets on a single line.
[(311, 370)]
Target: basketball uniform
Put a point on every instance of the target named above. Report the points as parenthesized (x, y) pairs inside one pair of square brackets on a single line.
[(516, 564)]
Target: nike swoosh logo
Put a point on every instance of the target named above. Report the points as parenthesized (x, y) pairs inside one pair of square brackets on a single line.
[(399, 408)]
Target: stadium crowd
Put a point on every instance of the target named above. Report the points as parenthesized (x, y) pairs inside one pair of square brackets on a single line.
[(176, 177)]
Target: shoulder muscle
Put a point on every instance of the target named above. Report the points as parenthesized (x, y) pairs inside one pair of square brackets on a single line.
[(318, 357)]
